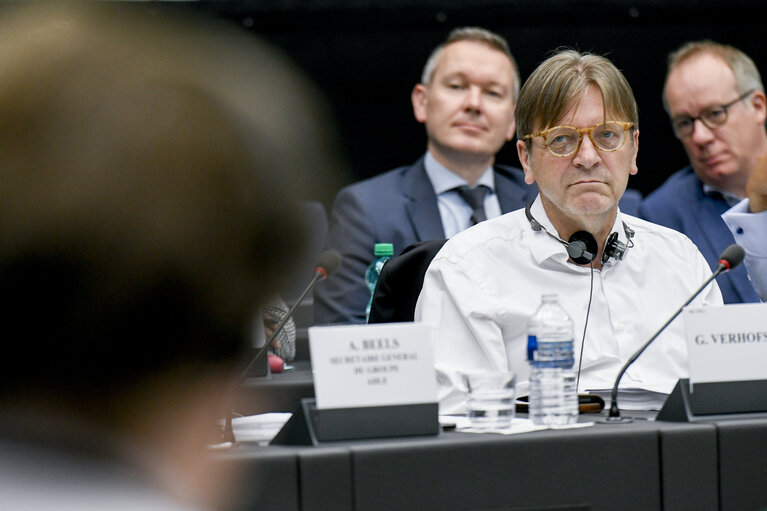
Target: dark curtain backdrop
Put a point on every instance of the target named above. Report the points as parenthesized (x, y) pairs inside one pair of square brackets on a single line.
[(366, 55)]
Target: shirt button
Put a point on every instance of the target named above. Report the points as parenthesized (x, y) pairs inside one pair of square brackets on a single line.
[(739, 230)]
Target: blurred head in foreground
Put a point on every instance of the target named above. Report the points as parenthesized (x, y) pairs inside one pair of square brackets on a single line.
[(143, 193)]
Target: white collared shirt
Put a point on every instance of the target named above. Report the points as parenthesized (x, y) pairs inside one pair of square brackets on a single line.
[(453, 210), (750, 231), (482, 287)]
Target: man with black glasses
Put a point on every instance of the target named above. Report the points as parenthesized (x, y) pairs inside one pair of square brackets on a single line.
[(716, 101), (617, 276)]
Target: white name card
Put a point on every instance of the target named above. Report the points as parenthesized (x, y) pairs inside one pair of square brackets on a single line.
[(727, 343), (372, 365)]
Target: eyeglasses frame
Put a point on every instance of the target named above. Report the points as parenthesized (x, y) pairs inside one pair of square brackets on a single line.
[(545, 133), (726, 107)]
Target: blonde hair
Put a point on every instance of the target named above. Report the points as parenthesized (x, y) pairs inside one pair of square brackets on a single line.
[(476, 34), (561, 79)]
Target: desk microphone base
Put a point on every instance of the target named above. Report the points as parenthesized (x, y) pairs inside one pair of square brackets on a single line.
[(616, 420)]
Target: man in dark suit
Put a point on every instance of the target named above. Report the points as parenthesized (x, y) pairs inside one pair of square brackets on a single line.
[(716, 101), (466, 99)]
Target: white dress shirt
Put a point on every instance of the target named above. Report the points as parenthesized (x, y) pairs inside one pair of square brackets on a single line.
[(453, 209), (486, 282), (750, 232)]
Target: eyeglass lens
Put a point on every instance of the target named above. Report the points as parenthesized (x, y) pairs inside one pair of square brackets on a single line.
[(607, 137), (713, 117)]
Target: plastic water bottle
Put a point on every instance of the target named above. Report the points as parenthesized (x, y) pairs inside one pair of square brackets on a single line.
[(382, 252), (553, 396)]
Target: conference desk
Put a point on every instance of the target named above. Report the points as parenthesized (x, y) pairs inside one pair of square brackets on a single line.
[(643, 465), (278, 392)]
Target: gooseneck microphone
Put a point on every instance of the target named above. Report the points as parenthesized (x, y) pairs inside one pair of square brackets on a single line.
[(730, 258), (328, 262)]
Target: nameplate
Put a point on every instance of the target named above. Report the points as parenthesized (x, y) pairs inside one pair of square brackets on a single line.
[(727, 343), (372, 365)]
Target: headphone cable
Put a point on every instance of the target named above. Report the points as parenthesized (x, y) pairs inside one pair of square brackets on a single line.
[(585, 325)]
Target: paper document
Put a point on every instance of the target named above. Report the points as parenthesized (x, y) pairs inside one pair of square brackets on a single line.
[(259, 428), (518, 425)]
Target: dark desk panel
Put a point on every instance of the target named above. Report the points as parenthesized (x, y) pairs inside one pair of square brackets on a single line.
[(326, 479), (642, 465), (289, 478), (743, 464), (604, 467), (689, 466), (267, 479)]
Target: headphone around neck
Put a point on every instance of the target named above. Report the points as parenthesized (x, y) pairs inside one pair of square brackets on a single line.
[(582, 247)]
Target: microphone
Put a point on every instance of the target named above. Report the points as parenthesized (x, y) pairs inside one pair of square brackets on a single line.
[(328, 262), (730, 258), (276, 363)]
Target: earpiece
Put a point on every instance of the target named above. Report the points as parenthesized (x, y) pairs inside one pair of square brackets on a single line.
[(534, 223), (582, 247), (614, 248)]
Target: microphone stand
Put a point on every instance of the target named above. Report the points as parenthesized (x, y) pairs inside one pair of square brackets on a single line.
[(320, 274), (615, 414)]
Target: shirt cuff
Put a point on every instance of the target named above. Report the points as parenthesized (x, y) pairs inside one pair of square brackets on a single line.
[(748, 229)]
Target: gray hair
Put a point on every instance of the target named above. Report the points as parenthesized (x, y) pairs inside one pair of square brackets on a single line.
[(743, 68)]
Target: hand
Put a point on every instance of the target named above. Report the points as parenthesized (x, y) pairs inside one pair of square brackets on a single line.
[(756, 187), (269, 323)]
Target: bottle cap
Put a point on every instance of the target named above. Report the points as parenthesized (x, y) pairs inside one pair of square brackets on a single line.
[(383, 249)]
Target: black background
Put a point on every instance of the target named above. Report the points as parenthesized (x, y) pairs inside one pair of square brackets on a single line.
[(367, 55)]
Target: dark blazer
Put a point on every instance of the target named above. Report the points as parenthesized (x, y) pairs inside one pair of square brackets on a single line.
[(398, 207), (681, 204)]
